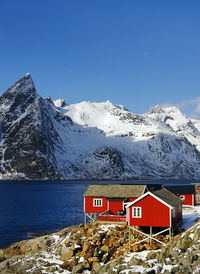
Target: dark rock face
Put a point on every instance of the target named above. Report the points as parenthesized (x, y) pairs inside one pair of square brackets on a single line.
[(27, 144), (108, 162)]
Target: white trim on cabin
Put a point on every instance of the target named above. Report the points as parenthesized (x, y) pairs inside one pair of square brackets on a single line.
[(97, 202), (146, 194), (126, 204), (170, 217), (108, 206), (145, 189), (128, 215), (193, 199)]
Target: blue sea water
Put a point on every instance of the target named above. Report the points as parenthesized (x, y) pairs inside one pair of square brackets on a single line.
[(31, 207)]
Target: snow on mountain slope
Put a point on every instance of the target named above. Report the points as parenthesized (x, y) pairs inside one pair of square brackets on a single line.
[(41, 139), (182, 125), (112, 142)]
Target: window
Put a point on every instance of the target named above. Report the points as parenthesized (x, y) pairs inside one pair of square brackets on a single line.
[(97, 202), (136, 212), (182, 197)]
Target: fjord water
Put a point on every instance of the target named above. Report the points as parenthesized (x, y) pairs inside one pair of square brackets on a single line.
[(32, 207)]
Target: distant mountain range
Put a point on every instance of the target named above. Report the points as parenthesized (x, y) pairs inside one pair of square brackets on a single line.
[(41, 139)]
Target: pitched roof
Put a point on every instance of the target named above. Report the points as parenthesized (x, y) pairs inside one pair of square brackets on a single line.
[(163, 195), (181, 189), (114, 191), (154, 187), (168, 197)]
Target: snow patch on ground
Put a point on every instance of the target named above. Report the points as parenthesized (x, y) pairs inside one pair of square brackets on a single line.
[(190, 216)]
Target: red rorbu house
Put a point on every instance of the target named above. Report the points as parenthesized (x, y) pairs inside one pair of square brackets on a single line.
[(186, 193), (158, 209), (108, 201)]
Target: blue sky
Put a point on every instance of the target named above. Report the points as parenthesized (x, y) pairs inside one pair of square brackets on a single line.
[(134, 53)]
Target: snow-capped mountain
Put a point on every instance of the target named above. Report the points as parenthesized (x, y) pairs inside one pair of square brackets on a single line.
[(42, 139)]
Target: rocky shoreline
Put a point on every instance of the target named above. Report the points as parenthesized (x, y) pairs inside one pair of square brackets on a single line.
[(100, 249)]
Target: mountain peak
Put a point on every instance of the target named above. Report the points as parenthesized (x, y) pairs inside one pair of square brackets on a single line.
[(164, 109), (24, 85), (156, 109), (27, 75)]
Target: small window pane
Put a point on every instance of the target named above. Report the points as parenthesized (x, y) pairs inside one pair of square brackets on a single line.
[(97, 202), (136, 212)]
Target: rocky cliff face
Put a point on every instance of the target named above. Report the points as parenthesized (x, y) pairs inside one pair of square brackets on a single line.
[(27, 133), (42, 139)]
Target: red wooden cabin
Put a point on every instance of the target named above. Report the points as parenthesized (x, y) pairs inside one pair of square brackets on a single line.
[(158, 209), (108, 201), (186, 193)]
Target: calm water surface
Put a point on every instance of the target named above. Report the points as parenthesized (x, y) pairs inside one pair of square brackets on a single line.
[(30, 207)]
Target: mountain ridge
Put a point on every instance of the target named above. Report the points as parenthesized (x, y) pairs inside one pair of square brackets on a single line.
[(42, 139)]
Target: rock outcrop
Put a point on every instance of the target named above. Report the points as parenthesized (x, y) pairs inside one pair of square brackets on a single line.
[(102, 249)]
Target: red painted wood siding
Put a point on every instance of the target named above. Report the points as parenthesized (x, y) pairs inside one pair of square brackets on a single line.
[(115, 206), (89, 208), (132, 199), (112, 218), (154, 213), (189, 199)]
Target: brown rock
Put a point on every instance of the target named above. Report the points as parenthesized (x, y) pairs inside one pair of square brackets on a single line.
[(148, 246), (109, 233), (66, 256), (106, 241), (67, 242), (105, 258), (114, 242), (68, 265), (142, 247), (98, 243), (86, 245), (63, 250), (87, 254), (111, 251), (96, 267), (135, 248), (118, 254), (85, 264), (90, 231), (151, 246), (81, 230), (24, 250), (93, 259), (114, 234), (105, 248)]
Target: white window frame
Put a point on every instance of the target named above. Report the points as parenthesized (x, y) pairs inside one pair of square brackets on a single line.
[(136, 212), (97, 202), (182, 197)]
